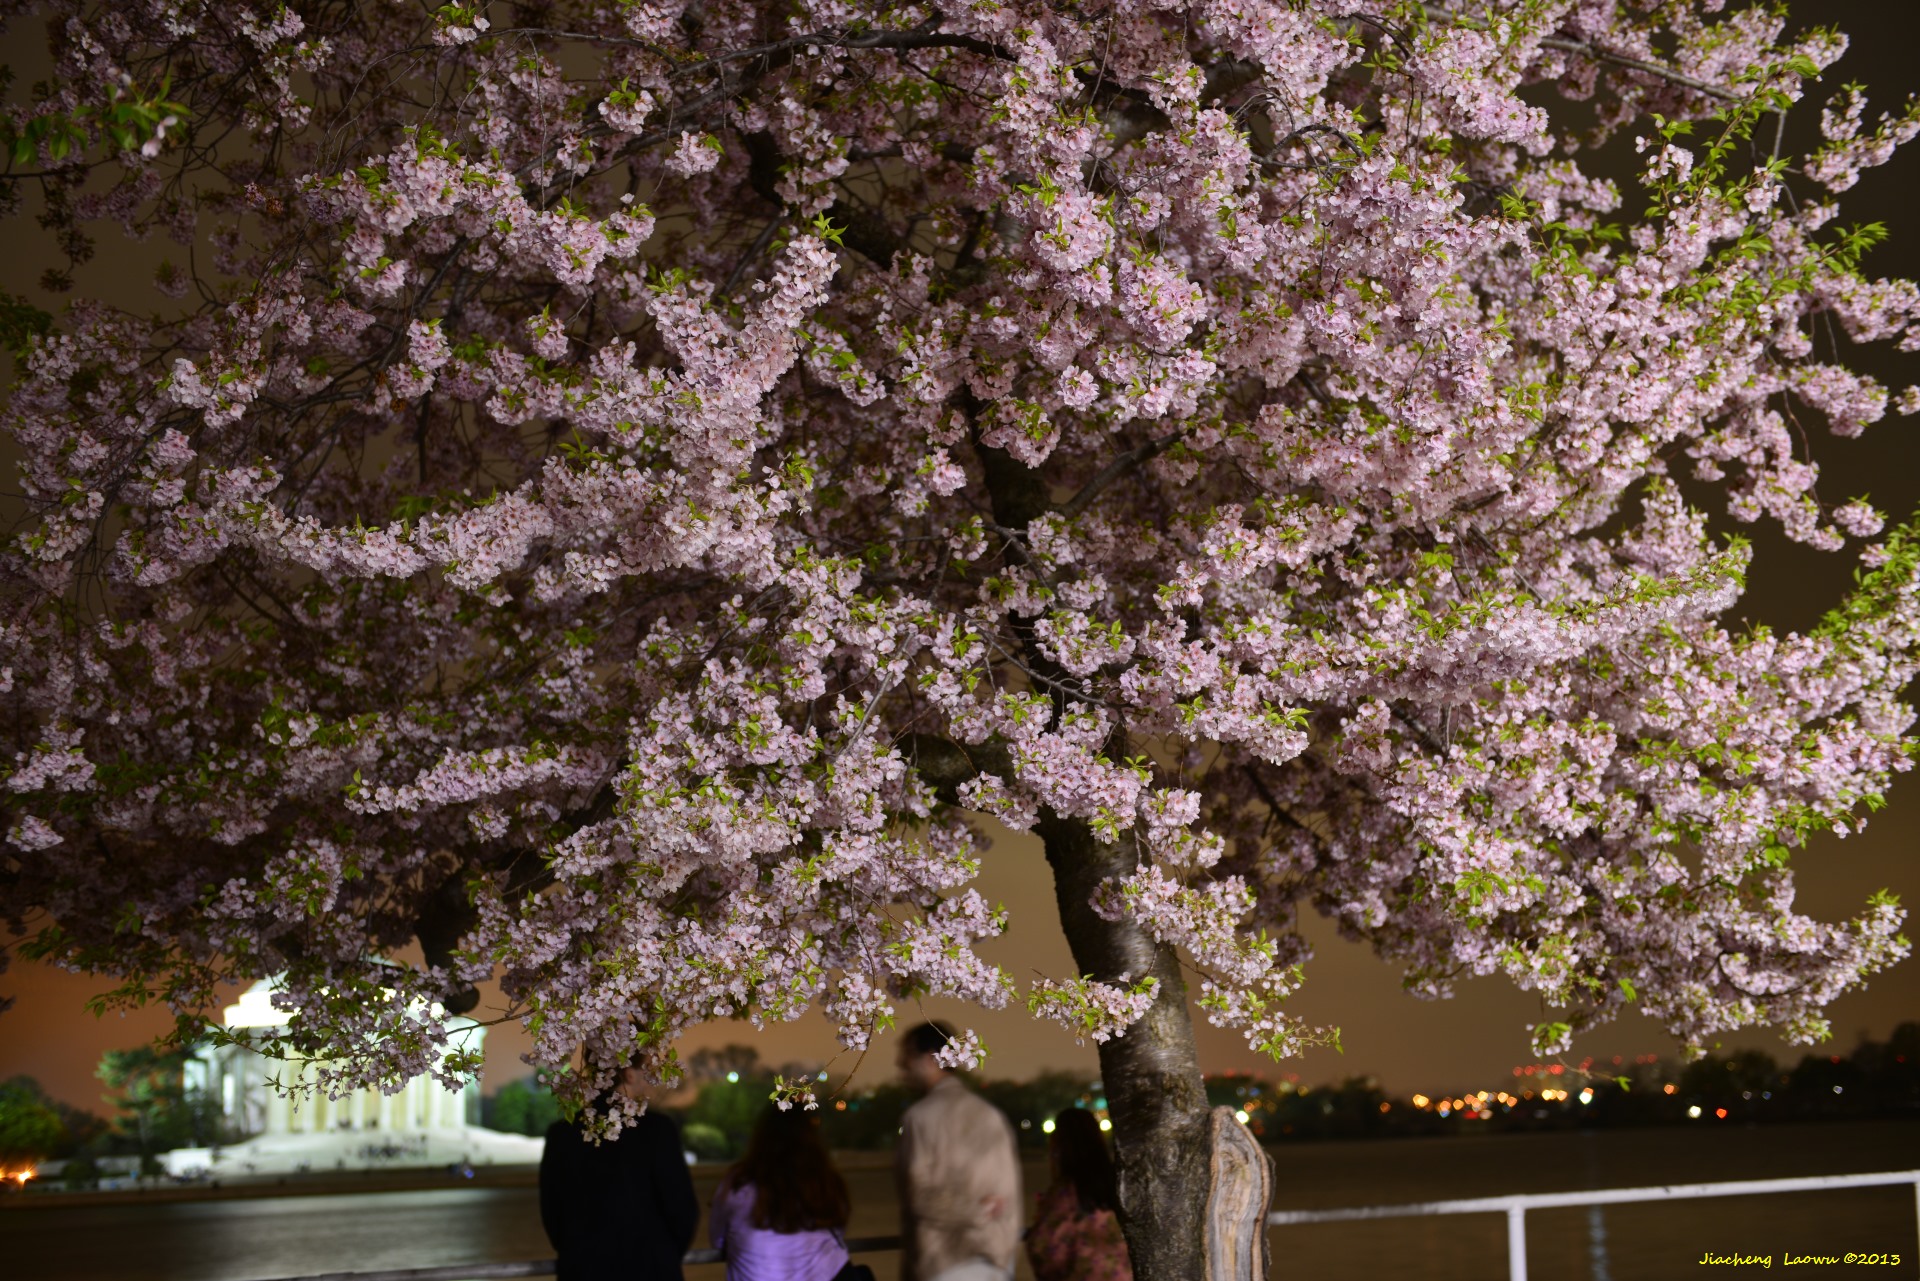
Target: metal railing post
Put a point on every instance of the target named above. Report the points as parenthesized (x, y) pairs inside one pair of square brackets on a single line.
[(1516, 1243)]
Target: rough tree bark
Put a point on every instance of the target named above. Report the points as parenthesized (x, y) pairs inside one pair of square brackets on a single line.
[(1164, 1142), (1152, 1073), (1237, 1200), (1183, 1187)]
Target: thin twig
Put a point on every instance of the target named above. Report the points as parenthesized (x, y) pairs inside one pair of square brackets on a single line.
[(1114, 470)]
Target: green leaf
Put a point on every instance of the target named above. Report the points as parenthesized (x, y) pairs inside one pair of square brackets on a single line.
[(823, 227), (20, 323)]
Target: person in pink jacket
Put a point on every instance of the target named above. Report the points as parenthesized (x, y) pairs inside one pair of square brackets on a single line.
[(1075, 1234)]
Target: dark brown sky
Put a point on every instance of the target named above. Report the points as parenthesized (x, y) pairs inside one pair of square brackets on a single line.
[(1470, 1041)]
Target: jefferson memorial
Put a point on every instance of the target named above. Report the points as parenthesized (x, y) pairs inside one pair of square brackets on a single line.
[(423, 1124)]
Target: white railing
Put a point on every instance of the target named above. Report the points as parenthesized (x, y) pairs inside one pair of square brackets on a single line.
[(1516, 1207)]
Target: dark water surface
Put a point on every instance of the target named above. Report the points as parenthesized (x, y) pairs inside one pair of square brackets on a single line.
[(238, 1240)]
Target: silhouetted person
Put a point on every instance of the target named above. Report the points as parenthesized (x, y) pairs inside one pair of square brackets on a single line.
[(959, 1173), (622, 1210), (780, 1213), (1076, 1227)]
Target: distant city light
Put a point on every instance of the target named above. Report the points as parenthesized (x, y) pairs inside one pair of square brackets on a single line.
[(1671, 1087), (1839, 1089), (1421, 1100), (1240, 1116), (1721, 1113), (733, 1078), (1046, 1126), (823, 1076), (1106, 1125), (1026, 1125), (1586, 1095), (1694, 1111)]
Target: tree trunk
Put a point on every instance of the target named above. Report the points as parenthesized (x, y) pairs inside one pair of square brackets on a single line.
[(1163, 1141), (1241, 1190), (1152, 1072)]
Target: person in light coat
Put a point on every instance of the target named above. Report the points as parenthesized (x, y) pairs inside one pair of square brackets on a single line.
[(958, 1171)]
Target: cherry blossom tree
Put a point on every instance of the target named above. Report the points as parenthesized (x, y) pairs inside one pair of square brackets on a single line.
[(612, 495)]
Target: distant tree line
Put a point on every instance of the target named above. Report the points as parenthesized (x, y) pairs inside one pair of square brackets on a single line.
[(525, 1106), (716, 1123), (727, 1089), (35, 1127), (1879, 1078), (152, 1110)]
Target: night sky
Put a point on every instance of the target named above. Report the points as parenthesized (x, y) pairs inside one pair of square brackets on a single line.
[(1469, 1042)]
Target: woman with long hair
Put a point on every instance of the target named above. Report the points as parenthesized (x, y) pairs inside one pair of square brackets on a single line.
[(1076, 1229), (780, 1213)]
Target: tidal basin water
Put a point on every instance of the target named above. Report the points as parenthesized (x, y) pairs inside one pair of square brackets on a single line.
[(240, 1240)]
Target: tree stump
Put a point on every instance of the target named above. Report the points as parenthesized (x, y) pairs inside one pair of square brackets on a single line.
[(1238, 1193)]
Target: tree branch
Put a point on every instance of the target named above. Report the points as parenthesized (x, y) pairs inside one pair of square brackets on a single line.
[(1114, 471), (923, 35), (1594, 53), (945, 765), (1585, 49)]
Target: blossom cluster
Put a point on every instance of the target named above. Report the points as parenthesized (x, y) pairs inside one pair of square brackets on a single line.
[(610, 450)]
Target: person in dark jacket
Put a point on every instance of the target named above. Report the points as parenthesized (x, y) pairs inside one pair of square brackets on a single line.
[(621, 1210)]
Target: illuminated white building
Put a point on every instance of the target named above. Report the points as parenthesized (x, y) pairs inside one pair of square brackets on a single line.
[(422, 1124)]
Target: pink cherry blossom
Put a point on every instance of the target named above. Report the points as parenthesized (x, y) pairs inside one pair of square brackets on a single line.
[(629, 495)]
